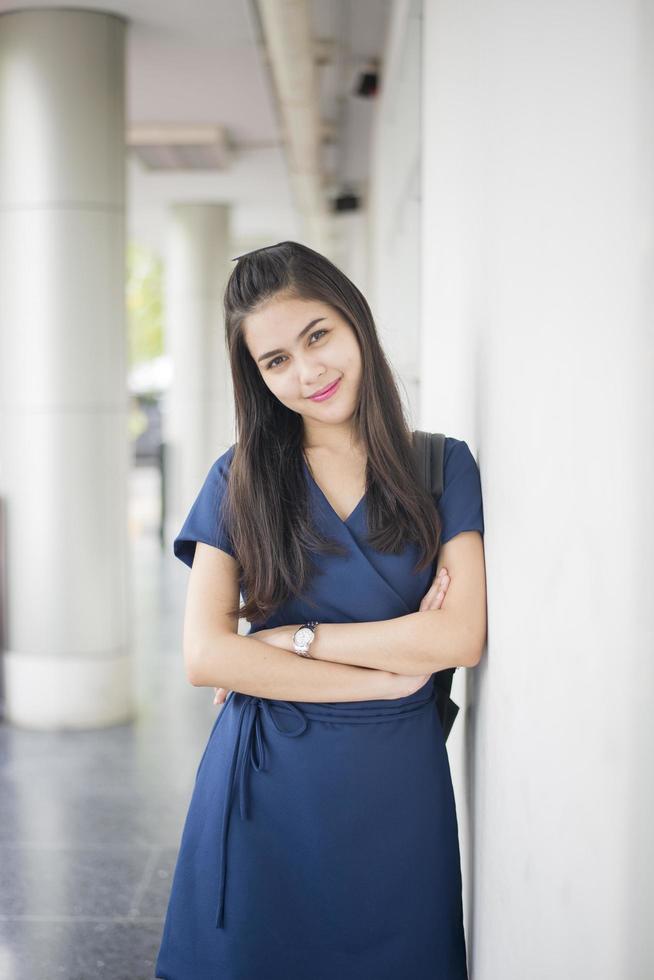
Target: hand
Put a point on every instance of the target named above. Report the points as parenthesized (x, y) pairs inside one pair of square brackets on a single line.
[(276, 636), (433, 598), (402, 685)]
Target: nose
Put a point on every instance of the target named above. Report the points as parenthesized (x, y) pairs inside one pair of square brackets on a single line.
[(311, 376)]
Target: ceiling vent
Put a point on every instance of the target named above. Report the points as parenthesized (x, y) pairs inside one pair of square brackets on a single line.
[(166, 147)]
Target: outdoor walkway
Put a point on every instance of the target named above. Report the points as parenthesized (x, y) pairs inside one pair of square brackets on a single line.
[(90, 822)]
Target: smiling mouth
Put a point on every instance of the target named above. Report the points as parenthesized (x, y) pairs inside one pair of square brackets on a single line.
[(325, 392)]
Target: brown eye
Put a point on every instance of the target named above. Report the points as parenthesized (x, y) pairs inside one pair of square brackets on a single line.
[(272, 364)]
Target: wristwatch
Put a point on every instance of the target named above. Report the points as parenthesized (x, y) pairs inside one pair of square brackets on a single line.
[(303, 638)]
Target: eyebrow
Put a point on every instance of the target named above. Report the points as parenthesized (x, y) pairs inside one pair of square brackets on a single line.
[(279, 350)]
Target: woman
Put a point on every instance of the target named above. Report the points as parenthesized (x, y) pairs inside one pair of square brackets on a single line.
[(321, 839)]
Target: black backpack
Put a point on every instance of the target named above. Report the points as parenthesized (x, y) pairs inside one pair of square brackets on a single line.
[(429, 448)]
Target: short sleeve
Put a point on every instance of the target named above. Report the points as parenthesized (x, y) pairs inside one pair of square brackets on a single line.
[(460, 506), (205, 521)]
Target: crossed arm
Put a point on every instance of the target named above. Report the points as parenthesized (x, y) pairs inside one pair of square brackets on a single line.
[(424, 641), (343, 653)]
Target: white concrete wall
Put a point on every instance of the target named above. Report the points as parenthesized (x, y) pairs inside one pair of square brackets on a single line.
[(394, 200), (537, 349), (352, 248)]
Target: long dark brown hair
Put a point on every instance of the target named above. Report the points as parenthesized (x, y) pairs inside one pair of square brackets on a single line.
[(266, 503)]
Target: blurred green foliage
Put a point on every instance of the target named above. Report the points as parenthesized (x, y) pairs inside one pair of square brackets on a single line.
[(144, 304)]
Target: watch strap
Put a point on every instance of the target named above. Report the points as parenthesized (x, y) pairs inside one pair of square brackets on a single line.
[(304, 651)]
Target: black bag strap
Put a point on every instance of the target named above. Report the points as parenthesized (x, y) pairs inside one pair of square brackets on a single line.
[(429, 448)]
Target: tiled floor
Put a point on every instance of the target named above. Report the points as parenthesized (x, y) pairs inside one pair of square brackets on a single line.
[(90, 821)]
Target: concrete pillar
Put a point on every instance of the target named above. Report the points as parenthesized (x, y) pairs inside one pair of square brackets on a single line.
[(64, 450), (198, 411)]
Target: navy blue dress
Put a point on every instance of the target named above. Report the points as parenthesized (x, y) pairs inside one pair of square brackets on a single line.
[(321, 839)]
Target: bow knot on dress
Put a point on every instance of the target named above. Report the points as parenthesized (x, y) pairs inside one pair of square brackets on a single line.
[(250, 748)]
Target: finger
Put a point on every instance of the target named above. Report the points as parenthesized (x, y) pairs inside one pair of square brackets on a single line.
[(432, 595), (427, 601), (434, 599)]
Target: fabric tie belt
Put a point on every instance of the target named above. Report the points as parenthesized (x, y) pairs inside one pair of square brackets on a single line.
[(250, 747)]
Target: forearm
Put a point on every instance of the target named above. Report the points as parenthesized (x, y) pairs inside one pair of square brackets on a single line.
[(251, 666), (418, 643)]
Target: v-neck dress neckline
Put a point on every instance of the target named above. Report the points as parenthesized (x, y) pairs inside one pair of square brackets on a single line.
[(352, 513)]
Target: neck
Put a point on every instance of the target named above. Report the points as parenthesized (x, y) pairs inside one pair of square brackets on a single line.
[(337, 437)]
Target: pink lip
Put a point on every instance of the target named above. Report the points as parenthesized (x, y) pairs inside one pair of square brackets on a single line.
[(326, 392)]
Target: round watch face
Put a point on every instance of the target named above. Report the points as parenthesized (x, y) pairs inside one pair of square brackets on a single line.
[(303, 636)]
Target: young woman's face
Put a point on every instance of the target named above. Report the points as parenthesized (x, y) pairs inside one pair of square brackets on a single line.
[(302, 346)]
